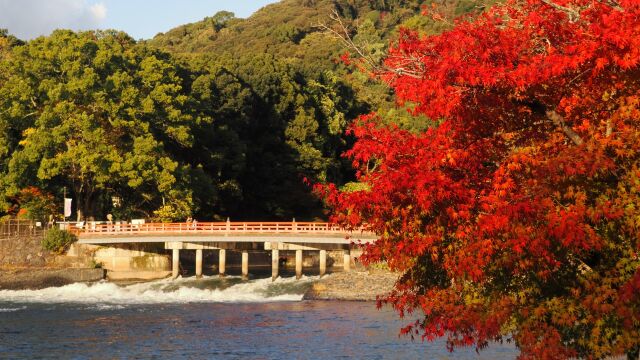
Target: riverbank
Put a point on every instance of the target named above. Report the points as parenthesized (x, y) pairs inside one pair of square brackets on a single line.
[(32, 278), (364, 285)]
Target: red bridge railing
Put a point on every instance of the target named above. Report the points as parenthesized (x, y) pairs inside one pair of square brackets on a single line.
[(210, 228)]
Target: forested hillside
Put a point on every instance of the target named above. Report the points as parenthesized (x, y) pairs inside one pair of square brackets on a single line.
[(221, 118), (292, 31), (286, 29)]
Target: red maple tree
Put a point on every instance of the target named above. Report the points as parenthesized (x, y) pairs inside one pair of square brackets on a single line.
[(516, 215)]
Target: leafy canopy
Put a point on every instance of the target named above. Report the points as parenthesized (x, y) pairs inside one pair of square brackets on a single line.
[(514, 214), (94, 112)]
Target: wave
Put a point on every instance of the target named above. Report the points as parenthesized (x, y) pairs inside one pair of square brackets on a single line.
[(168, 291), (5, 310)]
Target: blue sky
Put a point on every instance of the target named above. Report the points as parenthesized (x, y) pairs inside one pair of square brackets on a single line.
[(142, 19)]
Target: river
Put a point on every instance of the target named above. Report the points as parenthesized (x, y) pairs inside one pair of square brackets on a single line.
[(209, 318)]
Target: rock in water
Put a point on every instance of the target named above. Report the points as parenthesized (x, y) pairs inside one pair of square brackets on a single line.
[(353, 286)]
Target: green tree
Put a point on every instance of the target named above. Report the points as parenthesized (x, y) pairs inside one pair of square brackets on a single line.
[(96, 112)]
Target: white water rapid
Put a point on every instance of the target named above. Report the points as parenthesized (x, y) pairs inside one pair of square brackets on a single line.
[(181, 290)]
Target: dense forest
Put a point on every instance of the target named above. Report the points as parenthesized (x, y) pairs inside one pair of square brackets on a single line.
[(221, 118)]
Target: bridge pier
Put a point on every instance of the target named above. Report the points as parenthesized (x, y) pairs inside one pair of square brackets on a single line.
[(275, 262), (222, 261), (175, 268), (298, 264), (198, 263), (245, 264), (323, 262), (347, 260)]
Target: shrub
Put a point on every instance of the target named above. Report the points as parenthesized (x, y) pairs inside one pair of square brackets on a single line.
[(57, 240)]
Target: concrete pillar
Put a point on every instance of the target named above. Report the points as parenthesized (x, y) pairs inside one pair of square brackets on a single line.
[(347, 260), (222, 256), (275, 261), (176, 263), (198, 263), (298, 264), (323, 262), (245, 264)]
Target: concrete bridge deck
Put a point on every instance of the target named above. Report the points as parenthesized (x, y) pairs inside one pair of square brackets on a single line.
[(239, 236)]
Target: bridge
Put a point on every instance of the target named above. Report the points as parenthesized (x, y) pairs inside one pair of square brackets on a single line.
[(238, 236)]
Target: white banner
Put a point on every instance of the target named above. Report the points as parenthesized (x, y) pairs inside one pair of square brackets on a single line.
[(67, 207)]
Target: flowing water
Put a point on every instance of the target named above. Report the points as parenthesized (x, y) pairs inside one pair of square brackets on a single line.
[(209, 318)]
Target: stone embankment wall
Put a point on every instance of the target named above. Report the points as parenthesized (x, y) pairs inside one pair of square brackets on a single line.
[(27, 252), (24, 251), (26, 265), (129, 261), (43, 278)]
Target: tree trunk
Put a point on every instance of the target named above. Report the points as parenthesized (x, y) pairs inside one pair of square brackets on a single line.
[(83, 203), (87, 208), (79, 210), (84, 209), (77, 191)]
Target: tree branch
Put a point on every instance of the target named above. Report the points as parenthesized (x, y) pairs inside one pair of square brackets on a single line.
[(344, 36), (574, 15), (558, 120), (612, 4), (609, 128)]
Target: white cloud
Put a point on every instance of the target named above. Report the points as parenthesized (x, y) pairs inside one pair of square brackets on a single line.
[(99, 11), (27, 19)]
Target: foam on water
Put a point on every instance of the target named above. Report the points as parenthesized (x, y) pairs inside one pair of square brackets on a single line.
[(12, 309), (182, 290)]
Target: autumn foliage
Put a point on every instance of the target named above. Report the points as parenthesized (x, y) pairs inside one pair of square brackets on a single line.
[(32, 203), (515, 216)]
